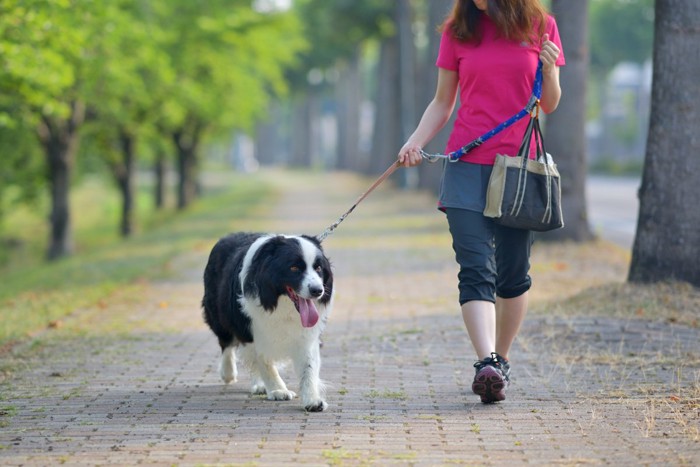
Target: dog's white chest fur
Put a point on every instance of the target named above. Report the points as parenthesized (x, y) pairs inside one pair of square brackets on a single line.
[(278, 335)]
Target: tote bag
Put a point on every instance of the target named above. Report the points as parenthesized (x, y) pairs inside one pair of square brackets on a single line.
[(525, 193)]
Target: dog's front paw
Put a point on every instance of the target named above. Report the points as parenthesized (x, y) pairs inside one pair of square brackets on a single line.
[(281, 395), (316, 406)]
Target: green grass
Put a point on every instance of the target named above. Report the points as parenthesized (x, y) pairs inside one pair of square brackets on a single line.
[(34, 293), (386, 394)]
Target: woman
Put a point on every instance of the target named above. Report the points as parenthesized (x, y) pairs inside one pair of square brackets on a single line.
[(489, 53)]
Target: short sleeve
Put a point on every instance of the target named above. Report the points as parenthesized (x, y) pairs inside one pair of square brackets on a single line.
[(447, 58), (554, 36)]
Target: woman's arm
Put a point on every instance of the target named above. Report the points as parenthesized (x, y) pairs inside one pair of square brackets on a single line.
[(551, 90), (434, 118)]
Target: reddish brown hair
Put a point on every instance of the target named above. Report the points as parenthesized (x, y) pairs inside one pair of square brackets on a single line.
[(515, 19)]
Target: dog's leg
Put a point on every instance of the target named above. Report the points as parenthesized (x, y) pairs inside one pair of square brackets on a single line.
[(276, 389), (308, 366), (249, 358), (266, 378), (227, 365)]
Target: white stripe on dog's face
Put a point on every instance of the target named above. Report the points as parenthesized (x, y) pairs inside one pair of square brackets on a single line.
[(312, 284)]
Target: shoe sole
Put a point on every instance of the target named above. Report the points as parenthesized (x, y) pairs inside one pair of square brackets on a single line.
[(489, 385)]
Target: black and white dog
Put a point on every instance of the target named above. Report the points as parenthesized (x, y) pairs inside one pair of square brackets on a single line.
[(267, 298)]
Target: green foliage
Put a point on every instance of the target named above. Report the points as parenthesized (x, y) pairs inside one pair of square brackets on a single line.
[(143, 68), (21, 177), (43, 44), (46, 57), (227, 59), (620, 30)]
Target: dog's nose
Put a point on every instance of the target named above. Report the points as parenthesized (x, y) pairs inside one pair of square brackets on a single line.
[(316, 291)]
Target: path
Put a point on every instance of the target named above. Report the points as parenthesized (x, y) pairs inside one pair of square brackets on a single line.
[(395, 357)]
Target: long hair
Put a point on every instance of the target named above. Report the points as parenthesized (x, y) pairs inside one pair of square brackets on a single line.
[(520, 20)]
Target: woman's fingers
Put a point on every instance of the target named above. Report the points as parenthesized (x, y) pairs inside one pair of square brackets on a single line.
[(549, 51), (409, 157)]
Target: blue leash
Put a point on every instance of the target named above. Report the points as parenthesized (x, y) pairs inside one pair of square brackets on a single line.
[(532, 103)]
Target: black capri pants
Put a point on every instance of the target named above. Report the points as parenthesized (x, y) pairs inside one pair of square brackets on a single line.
[(493, 260)]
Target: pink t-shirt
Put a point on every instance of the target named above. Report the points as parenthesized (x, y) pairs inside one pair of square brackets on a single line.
[(495, 82)]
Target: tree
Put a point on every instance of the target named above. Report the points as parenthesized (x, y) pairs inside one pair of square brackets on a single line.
[(667, 242), (133, 69), (126, 98), (565, 129), (386, 138), (228, 60), (46, 59)]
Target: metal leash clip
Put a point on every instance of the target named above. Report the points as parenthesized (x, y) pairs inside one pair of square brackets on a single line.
[(532, 104), (432, 158), (453, 156)]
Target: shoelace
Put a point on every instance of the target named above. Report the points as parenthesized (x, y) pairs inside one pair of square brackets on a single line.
[(492, 360), (496, 361)]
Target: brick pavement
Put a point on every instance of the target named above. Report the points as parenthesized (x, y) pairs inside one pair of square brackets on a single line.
[(395, 357)]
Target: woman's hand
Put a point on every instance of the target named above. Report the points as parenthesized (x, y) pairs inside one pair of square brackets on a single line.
[(410, 155), (551, 90), (549, 54), (434, 118)]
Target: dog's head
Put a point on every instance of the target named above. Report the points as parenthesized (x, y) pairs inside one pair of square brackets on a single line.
[(295, 266)]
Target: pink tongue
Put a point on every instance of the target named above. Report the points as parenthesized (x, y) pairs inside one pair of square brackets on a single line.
[(308, 312)]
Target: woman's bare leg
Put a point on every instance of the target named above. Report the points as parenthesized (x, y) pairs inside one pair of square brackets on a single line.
[(510, 313), (480, 319)]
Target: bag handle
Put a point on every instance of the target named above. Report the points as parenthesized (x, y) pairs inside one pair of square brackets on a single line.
[(533, 128)]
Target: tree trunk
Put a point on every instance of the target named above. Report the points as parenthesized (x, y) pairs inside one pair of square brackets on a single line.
[(407, 86), (565, 129), (667, 243), (159, 171), (60, 142), (272, 137), (386, 138), (302, 131), (349, 98), (60, 161), (186, 143), (124, 174)]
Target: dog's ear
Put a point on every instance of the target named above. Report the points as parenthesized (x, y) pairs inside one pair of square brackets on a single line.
[(263, 278), (327, 274)]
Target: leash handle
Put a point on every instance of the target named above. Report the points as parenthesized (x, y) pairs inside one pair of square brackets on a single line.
[(376, 183)]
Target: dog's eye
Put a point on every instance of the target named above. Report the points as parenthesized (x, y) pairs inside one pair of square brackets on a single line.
[(318, 269), (294, 269)]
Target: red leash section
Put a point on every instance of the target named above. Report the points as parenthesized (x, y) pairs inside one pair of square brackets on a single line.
[(378, 182)]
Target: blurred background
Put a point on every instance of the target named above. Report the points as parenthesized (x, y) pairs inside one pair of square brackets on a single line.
[(116, 114)]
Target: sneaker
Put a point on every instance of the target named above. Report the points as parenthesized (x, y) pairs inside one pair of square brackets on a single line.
[(505, 366), (491, 379)]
